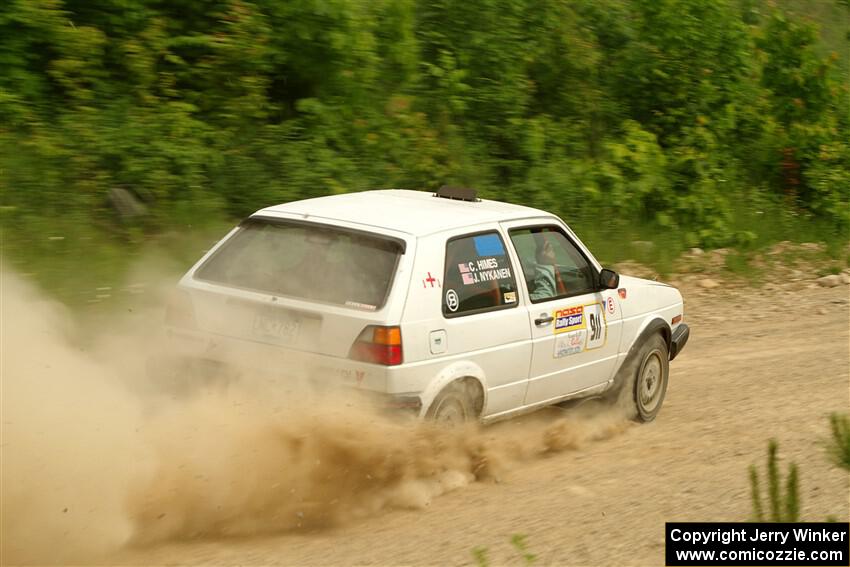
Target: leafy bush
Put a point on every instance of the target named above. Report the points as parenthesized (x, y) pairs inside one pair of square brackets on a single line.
[(668, 113)]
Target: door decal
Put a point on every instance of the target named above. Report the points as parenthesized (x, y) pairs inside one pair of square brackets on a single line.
[(580, 328), (569, 319), (569, 343), (598, 332)]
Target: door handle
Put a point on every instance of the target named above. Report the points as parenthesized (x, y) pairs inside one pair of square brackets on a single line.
[(544, 319)]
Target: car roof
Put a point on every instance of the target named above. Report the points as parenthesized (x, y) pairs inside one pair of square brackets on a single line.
[(415, 212)]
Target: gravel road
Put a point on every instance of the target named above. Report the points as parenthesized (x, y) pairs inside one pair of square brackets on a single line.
[(761, 364)]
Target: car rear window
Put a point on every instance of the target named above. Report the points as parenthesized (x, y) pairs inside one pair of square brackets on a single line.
[(307, 261)]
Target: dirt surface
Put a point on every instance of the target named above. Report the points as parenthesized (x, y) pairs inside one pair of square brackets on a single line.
[(761, 363)]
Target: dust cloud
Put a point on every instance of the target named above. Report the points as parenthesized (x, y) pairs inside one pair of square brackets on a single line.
[(95, 457), (70, 437)]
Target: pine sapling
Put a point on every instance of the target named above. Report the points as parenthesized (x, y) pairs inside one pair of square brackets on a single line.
[(839, 444), (783, 508)]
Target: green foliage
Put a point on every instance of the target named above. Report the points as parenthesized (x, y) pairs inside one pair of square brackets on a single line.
[(811, 113), (839, 444), (669, 115), (784, 507), (518, 541), (481, 557), (758, 509), (739, 263)]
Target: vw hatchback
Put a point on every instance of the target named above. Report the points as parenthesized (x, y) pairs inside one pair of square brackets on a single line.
[(455, 307)]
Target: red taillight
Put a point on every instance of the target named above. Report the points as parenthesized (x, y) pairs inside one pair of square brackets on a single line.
[(378, 345), (179, 311), (676, 319)]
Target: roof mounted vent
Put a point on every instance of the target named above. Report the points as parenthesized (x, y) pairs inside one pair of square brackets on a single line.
[(457, 193)]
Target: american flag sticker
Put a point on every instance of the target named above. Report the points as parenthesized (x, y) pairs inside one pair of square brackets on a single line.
[(464, 268), (467, 279)]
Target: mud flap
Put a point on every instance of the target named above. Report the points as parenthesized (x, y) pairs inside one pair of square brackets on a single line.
[(679, 340)]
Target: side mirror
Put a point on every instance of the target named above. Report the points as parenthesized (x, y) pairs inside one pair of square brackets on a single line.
[(609, 279)]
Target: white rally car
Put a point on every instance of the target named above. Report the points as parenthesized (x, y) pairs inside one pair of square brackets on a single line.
[(455, 307)]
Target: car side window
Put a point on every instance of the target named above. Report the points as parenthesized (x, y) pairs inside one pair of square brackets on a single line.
[(478, 275), (552, 265)]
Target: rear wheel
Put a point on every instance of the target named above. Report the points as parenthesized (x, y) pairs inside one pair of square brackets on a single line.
[(453, 406)]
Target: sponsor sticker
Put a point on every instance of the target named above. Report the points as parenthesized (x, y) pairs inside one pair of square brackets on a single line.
[(510, 297), (452, 300), (589, 318), (569, 319), (569, 343), (611, 305), (598, 326)]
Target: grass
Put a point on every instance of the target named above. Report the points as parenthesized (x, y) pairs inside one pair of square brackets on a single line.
[(741, 264), (832, 269), (838, 446), (74, 262), (520, 544), (82, 265), (645, 243), (751, 233)]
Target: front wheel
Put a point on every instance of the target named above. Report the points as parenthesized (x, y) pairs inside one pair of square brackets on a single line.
[(653, 372)]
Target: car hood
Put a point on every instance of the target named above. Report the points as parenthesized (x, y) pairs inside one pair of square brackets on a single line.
[(638, 296), (633, 281)]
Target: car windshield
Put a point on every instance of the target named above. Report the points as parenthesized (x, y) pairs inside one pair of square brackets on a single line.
[(307, 261)]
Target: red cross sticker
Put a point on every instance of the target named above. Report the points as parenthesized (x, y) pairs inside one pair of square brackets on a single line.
[(430, 279)]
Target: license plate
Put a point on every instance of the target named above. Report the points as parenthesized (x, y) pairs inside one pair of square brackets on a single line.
[(277, 328)]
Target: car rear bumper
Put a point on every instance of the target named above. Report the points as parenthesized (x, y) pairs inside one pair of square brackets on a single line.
[(198, 352), (679, 340), (177, 374)]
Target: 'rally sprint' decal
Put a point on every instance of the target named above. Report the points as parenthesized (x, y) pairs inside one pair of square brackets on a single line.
[(579, 328)]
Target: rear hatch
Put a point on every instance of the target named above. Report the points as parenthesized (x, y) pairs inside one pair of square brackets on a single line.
[(299, 287)]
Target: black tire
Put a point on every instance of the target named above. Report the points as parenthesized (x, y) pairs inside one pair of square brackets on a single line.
[(650, 381), (453, 406), (641, 384)]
